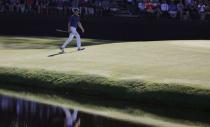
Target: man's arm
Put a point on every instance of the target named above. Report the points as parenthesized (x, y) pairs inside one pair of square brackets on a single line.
[(81, 27)]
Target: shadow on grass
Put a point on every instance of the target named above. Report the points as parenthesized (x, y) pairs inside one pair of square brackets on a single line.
[(45, 42), (56, 54), (60, 53)]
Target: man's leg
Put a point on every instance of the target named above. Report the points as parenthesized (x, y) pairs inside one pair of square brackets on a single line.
[(71, 36), (78, 40)]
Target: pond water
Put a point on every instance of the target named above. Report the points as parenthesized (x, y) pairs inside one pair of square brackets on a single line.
[(16, 112)]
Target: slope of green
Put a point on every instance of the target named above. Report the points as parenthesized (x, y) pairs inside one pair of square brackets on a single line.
[(169, 78)]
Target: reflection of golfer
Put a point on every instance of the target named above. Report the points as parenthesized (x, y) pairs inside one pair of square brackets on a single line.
[(74, 20), (71, 118)]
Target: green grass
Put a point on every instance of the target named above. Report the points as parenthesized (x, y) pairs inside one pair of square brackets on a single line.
[(166, 78), (130, 97), (162, 61)]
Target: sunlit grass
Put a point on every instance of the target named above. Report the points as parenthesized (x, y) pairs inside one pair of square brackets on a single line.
[(171, 74), (185, 62)]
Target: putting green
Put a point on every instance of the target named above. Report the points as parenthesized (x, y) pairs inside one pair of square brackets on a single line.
[(179, 62), (185, 62)]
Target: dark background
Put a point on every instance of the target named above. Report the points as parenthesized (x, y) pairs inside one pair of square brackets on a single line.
[(109, 28)]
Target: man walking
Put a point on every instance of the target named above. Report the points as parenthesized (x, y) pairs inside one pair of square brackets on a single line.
[(74, 21)]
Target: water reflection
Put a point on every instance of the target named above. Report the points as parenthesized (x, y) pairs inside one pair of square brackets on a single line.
[(71, 118), (21, 113)]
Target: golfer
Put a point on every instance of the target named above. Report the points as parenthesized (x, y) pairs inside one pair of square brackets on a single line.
[(74, 21)]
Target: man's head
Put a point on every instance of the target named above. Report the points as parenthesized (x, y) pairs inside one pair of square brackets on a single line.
[(75, 11)]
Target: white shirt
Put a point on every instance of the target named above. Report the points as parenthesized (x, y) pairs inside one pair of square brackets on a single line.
[(141, 6), (164, 7), (201, 7)]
